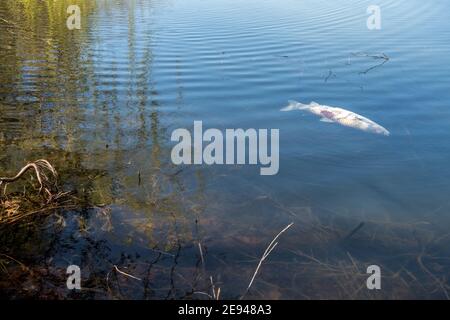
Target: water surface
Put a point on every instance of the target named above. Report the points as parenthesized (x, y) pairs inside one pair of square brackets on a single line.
[(101, 103)]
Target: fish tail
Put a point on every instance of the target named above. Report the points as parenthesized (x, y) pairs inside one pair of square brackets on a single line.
[(294, 105)]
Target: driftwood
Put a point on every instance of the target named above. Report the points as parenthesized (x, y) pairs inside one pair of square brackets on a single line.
[(46, 198), (16, 206), (46, 175)]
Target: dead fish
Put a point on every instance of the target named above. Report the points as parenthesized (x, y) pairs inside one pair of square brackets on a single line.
[(338, 115)]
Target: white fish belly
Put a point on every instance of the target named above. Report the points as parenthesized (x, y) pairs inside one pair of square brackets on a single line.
[(356, 121)]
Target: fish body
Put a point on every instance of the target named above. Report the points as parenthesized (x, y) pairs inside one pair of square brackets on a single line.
[(339, 115)]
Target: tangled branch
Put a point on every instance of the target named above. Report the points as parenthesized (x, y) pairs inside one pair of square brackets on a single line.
[(45, 173)]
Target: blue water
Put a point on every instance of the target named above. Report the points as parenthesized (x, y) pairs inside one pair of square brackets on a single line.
[(145, 68), (238, 64)]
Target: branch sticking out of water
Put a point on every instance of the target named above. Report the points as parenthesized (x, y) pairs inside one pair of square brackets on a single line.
[(19, 206), (125, 274), (40, 167), (269, 249), (381, 56)]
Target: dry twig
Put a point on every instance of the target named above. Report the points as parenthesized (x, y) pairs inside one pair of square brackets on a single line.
[(269, 249)]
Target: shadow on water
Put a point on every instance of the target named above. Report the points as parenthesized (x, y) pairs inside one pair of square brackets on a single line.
[(154, 230)]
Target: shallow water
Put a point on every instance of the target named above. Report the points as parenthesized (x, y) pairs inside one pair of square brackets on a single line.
[(101, 103)]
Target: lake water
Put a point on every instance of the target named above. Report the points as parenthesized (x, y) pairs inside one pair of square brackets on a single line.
[(100, 103)]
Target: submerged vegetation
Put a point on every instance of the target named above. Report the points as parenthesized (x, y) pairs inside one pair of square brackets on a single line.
[(319, 258)]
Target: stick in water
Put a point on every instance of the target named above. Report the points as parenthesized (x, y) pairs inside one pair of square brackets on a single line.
[(126, 274), (269, 249)]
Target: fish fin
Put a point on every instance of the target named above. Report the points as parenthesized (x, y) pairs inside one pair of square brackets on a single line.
[(294, 105), (326, 120)]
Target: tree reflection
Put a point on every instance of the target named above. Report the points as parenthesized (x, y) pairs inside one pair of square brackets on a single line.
[(89, 104)]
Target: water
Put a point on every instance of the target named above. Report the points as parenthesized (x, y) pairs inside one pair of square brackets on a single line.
[(101, 103)]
